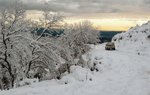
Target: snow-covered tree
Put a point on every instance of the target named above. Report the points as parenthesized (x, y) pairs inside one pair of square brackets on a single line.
[(44, 55), (12, 43), (77, 36), (91, 32), (20, 53), (49, 21), (47, 50)]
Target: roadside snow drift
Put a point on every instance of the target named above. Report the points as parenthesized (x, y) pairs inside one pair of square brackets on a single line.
[(136, 39)]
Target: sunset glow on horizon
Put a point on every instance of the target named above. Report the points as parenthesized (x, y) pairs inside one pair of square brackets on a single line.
[(111, 24), (100, 23)]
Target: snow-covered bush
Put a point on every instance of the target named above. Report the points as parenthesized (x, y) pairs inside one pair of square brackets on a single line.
[(148, 36), (92, 33), (27, 82), (75, 41), (77, 36)]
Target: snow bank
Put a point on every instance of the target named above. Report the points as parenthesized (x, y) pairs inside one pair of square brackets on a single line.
[(78, 74), (135, 40)]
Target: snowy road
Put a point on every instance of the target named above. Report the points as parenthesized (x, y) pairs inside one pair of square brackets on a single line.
[(121, 73), (128, 73)]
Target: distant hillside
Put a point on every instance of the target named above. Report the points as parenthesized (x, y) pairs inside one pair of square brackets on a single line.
[(111, 31), (48, 32), (106, 36)]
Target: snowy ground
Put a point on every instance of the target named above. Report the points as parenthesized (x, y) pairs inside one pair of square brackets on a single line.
[(121, 73)]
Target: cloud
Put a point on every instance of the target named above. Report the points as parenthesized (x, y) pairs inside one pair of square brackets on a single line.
[(147, 1), (86, 6)]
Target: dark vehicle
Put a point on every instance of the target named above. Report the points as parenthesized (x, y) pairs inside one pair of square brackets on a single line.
[(110, 46)]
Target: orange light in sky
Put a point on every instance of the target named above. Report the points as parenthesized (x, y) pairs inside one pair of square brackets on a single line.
[(112, 24), (108, 23)]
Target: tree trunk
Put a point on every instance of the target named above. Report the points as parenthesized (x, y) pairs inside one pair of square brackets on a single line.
[(1, 84)]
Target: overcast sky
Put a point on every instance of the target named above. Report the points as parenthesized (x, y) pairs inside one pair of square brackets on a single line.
[(92, 9), (87, 6)]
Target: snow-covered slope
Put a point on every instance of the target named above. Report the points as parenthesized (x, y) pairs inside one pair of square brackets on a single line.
[(120, 72), (136, 39)]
